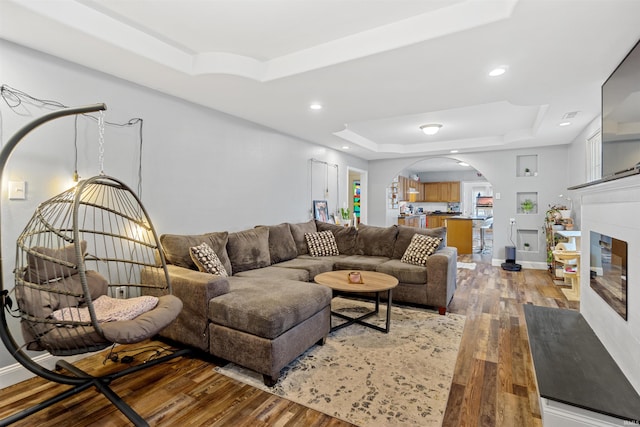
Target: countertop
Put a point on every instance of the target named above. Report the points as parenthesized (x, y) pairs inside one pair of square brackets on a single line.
[(430, 214)]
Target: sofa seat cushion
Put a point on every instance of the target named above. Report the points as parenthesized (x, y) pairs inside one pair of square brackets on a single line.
[(267, 307), (312, 265), (275, 272), (360, 262), (405, 273)]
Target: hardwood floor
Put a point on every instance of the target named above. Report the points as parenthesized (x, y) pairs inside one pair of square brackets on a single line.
[(493, 384)]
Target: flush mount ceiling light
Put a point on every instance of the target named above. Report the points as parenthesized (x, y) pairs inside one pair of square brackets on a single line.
[(315, 106), (454, 151), (431, 129), (498, 71), (565, 124), (463, 164)]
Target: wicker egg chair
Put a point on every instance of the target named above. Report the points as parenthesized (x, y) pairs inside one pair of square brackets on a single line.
[(86, 277)]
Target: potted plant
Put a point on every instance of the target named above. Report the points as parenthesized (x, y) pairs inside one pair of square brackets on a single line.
[(527, 172), (526, 246), (527, 206), (344, 213)]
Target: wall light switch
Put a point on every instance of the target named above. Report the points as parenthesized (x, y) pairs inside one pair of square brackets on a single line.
[(498, 196), (17, 190)]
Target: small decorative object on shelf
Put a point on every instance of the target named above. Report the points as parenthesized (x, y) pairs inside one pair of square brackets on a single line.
[(355, 277), (527, 205), (526, 246), (527, 172)]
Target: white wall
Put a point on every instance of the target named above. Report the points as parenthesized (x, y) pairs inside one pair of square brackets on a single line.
[(609, 208), (202, 170), (500, 170)]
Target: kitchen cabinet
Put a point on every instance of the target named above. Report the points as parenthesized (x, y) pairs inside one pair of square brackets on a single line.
[(432, 191), (418, 221), (442, 191), (454, 191), (448, 191)]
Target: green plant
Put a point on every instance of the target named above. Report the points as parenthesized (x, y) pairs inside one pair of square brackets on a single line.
[(527, 205), (344, 213)]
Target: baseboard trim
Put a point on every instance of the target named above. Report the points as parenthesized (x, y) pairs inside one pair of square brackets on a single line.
[(15, 373), (525, 264)]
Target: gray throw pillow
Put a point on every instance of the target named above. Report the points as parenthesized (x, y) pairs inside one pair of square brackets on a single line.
[(249, 249), (282, 247), (298, 231), (345, 236), (376, 241), (176, 248)]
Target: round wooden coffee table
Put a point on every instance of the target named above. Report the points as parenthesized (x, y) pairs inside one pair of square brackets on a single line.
[(372, 281)]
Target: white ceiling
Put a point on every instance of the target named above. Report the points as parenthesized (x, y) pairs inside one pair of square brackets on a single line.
[(380, 68)]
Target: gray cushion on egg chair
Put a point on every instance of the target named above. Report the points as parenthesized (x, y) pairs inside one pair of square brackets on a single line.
[(81, 281)]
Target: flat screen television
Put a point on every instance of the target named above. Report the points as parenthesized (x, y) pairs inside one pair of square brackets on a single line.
[(621, 118)]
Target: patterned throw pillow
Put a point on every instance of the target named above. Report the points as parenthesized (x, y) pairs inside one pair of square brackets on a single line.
[(420, 248), (322, 243), (207, 260)]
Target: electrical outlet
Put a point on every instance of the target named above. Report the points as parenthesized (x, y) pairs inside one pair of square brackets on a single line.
[(120, 292), (512, 221)]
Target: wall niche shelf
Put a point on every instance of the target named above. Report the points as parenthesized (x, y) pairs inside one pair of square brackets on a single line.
[(530, 237), (527, 202), (527, 165)]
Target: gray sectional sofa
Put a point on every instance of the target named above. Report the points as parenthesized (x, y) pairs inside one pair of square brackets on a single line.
[(269, 311)]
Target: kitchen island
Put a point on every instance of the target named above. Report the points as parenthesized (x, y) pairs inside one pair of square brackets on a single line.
[(460, 233)]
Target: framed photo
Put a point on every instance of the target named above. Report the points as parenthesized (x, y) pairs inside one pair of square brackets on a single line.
[(321, 210)]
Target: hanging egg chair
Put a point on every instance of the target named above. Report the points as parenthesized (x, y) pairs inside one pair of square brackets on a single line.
[(89, 273)]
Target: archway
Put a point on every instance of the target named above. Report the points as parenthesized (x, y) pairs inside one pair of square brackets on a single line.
[(469, 184)]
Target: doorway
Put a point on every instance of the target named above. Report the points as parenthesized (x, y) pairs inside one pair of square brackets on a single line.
[(356, 194), (478, 204)]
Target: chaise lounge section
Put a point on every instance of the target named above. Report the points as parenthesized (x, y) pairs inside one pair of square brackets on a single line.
[(268, 311)]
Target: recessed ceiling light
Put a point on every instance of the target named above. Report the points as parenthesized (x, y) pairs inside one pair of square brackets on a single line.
[(315, 106), (498, 71), (463, 164), (431, 129), (345, 147), (564, 124), (454, 151)]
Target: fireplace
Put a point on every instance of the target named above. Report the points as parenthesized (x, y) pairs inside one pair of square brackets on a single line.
[(608, 274)]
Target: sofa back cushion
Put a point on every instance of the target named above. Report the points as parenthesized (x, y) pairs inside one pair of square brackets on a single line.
[(249, 249), (298, 231), (405, 233), (376, 241), (282, 247), (176, 248), (345, 236)]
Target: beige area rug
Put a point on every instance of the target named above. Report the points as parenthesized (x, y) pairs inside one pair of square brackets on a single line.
[(370, 378), (467, 265)]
